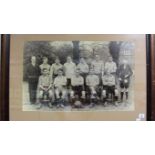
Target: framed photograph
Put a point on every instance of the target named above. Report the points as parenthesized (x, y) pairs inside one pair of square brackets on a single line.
[(78, 77)]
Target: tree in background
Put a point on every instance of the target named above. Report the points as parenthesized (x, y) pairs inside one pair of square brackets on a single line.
[(114, 49), (76, 51)]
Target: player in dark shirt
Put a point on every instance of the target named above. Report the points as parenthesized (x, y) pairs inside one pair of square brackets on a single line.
[(32, 73), (124, 73)]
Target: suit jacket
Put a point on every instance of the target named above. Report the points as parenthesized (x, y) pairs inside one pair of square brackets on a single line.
[(124, 73), (32, 73)]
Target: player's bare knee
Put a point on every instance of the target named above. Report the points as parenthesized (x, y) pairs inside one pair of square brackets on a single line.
[(57, 93), (116, 92), (51, 94), (72, 94), (104, 93), (41, 94)]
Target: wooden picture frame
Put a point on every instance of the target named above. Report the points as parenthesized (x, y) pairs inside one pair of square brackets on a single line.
[(152, 77), (5, 79)]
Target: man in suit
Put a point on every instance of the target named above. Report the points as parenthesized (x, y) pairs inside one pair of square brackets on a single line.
[(124, 73), (33, 72)]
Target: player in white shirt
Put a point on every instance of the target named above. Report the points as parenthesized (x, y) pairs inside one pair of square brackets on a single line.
[(60, 88), (110, 66), (55, 67), (92, 82), (89, 61), (109, 88), (98, 66), (83, 66), (77, 93), (69, 69), (45, 64), (84, 69)]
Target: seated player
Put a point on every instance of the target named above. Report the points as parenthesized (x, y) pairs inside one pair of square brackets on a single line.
[(92, 82), (45, 88), (124, 74), (60, 83), (77, 93), (109, 90)]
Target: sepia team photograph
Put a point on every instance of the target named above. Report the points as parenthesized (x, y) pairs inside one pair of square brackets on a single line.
[(78, 76)]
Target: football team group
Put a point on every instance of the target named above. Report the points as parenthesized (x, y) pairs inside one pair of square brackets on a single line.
[(78, 85)]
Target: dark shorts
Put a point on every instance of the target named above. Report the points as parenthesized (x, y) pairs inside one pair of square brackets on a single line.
[(84, 75), (77, 90), (68, 83), (124, 85), (97, 89), (54, 76), (109, 89), (100, 78)]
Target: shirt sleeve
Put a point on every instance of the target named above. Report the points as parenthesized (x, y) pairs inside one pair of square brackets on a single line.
[(102, 70), (72, 81), (40, 81), (118, 71), (55, 82), (75, 67), (114, 67), (27, 72), (113, 81), (51, 71), (87, 81), (64, 68), (130, 71), (97, 80), (51, 80), (82, 81), (103, 80), (106, 66), (64, 81), (87, 68)]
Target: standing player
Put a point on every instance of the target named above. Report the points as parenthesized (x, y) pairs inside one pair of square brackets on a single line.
[(32, 74), (98, 66), (89, 62), (110, 66), (124, 73), (109, 88), (45, 64), (45, 88), (60, 88), (55, 67), (69, 69), (77, 92), (92, 82), (84, 69)]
